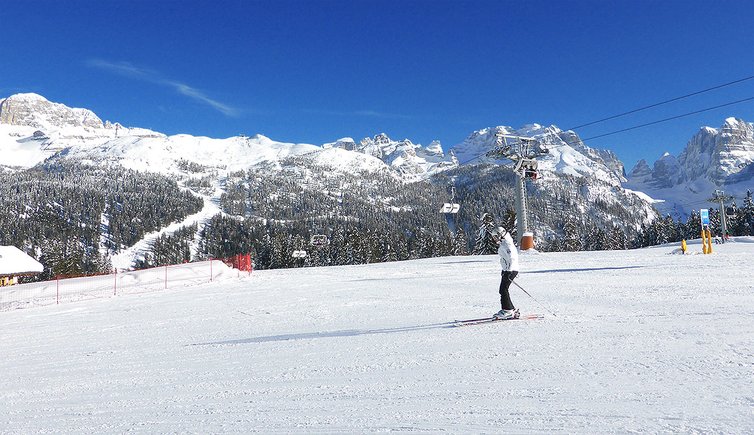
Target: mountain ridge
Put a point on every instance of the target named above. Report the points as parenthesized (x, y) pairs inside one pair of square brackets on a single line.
[(713, 159), (394, 185)]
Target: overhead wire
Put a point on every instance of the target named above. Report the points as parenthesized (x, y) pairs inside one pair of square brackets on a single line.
[(669, 119), (662, 102)]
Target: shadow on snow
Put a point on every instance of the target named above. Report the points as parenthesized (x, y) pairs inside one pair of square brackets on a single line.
[(585, 269), (329, 334)]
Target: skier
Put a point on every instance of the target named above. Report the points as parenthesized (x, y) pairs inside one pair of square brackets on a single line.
[(509, 261)]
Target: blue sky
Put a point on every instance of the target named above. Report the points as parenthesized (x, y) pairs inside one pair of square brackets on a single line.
[(315, 71)]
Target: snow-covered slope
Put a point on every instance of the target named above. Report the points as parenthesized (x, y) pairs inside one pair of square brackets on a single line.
[(721, 158), (634, 346), (170, 154)]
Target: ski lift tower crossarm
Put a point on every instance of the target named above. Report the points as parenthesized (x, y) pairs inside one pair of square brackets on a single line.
[(523, 152)]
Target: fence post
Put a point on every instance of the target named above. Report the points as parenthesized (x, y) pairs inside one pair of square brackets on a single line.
[(57, 290)]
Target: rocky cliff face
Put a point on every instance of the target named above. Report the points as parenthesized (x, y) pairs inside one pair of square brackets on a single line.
[(714, 158), (719, 156), (33, 110)]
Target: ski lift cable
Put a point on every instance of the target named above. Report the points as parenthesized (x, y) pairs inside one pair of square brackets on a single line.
[(670, 118), (662, 102)]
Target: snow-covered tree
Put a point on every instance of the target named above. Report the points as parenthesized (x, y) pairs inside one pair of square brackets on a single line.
[(571, 239), (485, 241)]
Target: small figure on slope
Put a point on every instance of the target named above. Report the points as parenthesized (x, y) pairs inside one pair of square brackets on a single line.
[(509, 262)]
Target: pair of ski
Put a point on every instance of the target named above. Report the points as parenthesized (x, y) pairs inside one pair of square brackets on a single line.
[(483, 320)]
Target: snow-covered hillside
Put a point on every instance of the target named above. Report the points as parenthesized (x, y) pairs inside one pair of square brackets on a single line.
[(33, 130), (640, 341)]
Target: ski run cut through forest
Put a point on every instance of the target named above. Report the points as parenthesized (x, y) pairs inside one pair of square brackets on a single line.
[(642, 340)]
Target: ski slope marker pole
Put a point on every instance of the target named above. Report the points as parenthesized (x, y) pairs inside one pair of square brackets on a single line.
[(540, 303)]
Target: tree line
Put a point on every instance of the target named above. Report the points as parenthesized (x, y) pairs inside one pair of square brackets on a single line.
[(73, 217)]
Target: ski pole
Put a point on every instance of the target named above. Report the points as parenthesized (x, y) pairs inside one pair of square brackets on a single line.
[(540, 303)]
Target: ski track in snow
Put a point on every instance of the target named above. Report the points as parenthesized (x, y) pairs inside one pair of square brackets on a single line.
[(642, 341), (125, 259)]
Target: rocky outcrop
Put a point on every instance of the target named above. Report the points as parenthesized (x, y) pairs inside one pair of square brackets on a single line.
[(33, 110), (717, 155)]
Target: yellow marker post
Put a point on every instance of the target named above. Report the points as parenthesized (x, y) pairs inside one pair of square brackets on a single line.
[(709, 241)]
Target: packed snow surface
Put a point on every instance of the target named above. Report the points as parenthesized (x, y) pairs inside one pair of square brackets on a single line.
[(638, 340)]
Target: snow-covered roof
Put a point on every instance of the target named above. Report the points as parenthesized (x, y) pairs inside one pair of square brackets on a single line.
[(13, 261)]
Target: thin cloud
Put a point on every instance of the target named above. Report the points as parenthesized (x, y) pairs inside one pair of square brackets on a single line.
[(364, 113), (128, 70), (375, 114)]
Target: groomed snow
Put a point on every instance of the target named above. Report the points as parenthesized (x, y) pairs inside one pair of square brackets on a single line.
[(642, 340)]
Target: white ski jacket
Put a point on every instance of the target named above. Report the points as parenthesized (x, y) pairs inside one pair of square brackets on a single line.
[(508, 253)]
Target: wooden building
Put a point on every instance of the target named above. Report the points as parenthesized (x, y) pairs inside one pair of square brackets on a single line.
[(15, 263)]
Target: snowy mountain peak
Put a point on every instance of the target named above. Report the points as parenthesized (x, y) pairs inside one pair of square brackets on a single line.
[(714, 158), (381, 139), (33, 110), (346, 143), (734, 122), (567, 153), (27, 96), (411, 161), (641, 169), (718, 154), (434, 148)]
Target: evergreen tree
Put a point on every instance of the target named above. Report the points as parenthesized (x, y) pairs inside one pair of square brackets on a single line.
[(747, 215), (617, 239), (693, 227), (460, 243), (485, 240), (571, 239)]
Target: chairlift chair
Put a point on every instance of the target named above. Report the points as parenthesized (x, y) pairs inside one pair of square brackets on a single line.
[(318, 240), (451, 207), (299, 254)]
